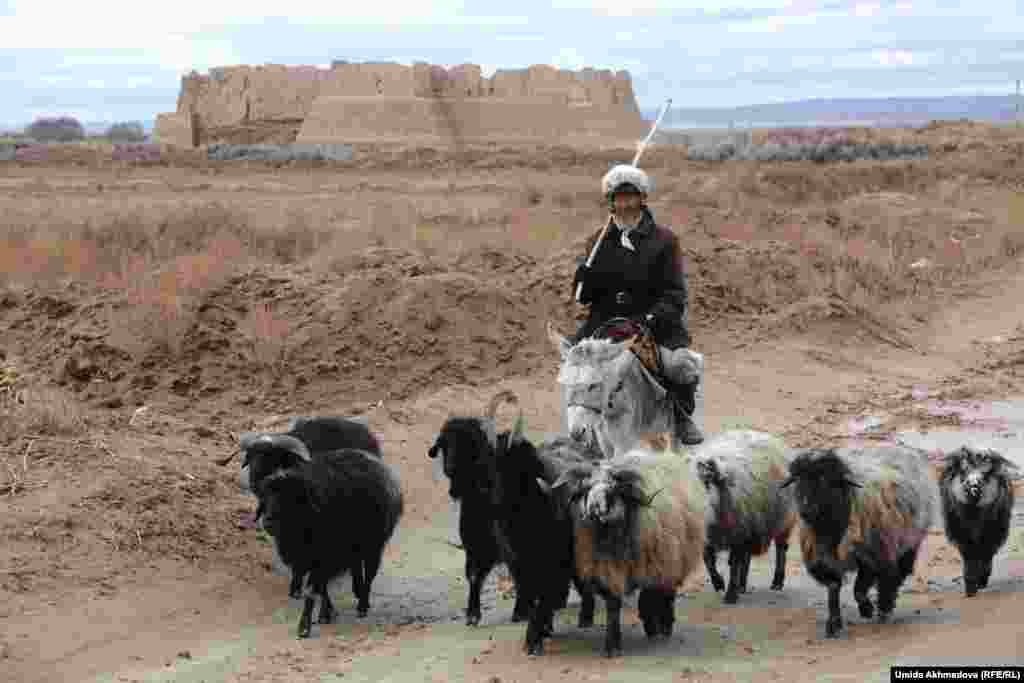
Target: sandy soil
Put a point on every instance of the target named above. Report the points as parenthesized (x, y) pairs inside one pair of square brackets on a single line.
[(126, 554)]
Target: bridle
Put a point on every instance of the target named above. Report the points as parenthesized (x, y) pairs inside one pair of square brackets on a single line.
[(619, 328)]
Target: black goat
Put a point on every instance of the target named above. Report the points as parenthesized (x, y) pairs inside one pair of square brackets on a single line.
[(535, 529), (977, 502), (332, 515), (466, 445)]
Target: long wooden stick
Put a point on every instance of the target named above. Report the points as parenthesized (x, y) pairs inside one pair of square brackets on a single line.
[(636, 159)]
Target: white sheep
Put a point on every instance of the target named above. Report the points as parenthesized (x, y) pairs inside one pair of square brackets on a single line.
[(743, 472)]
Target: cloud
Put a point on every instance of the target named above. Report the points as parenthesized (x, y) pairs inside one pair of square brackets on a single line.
[(698, 53)]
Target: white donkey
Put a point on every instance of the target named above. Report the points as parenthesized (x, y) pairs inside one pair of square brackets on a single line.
[(610, 398)]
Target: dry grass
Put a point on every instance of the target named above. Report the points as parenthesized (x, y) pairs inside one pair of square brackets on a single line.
[(30, 410), (268, 334), (798, 230)]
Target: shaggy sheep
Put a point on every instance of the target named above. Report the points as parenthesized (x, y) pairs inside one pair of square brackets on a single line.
[(742, 473), (535, 529), (639, 522), (977, 501), (265, 452), (863, 509), (307, 438), (331, 515), (318, 433), (466, 445)]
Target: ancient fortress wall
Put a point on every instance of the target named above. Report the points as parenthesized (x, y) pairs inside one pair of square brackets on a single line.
[(387, 101)]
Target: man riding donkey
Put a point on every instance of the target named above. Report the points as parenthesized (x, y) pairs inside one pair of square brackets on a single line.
[(637, 273)]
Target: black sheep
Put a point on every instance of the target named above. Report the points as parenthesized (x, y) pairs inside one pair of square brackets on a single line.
[(977, 503), (265, 452), (332, 515)]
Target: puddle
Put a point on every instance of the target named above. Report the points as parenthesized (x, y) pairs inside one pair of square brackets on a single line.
[(983, 424), (998, 425)]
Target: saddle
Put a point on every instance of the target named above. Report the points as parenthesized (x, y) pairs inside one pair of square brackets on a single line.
[(644, 346)]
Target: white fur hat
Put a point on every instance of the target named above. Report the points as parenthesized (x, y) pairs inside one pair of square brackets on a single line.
[(625, 173)]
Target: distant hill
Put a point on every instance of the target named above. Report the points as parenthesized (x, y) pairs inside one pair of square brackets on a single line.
[(885, 111)]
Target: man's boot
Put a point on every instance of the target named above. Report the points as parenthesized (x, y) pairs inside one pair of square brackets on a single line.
[(684, 405)]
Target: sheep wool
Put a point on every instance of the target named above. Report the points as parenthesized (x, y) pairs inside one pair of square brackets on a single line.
[(753, 464), (669, 533), (893, 509)]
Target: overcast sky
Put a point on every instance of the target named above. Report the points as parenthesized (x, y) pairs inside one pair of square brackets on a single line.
[(109, 60)]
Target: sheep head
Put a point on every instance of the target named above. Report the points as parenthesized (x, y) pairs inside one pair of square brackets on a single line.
[(602, 496), (286, 498), (711, 474), (716, 483), (265, 454), (824, 491), (976, 476), (465, 446)]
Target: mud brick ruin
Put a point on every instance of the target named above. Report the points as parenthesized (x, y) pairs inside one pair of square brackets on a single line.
[(385, 103)]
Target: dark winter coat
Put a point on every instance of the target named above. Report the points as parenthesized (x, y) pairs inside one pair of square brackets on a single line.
[(651, 279)]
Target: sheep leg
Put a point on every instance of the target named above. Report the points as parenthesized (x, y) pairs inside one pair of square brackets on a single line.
[(865, 580), (370, 566), (737, 560), (295, 587), (985, 573), (586, 618), (781, 548), (710, 563), (835, 617), (745, 570), (477, 575), (889, 584), (541, 618), (970, 582), (668, 612), (358, 585), (306, 619), (524, 598), (327, 610), (613, 627), (650, 611)]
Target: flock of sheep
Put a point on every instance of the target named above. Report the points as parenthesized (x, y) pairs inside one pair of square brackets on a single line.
[(560, 513)]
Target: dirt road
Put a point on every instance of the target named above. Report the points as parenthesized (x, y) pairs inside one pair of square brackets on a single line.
[(165, 619)]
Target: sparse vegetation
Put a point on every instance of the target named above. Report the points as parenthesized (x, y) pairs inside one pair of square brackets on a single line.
[(126, 132), (57, 129)]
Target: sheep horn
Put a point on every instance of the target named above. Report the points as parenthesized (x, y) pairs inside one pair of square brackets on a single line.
[(544, 486), (517, 435), (245, 439), (651, 499), (490, 414), (287, 443), (564, 479), (229, 458)]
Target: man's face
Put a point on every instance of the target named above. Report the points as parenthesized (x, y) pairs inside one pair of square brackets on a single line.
[(627, 202)]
